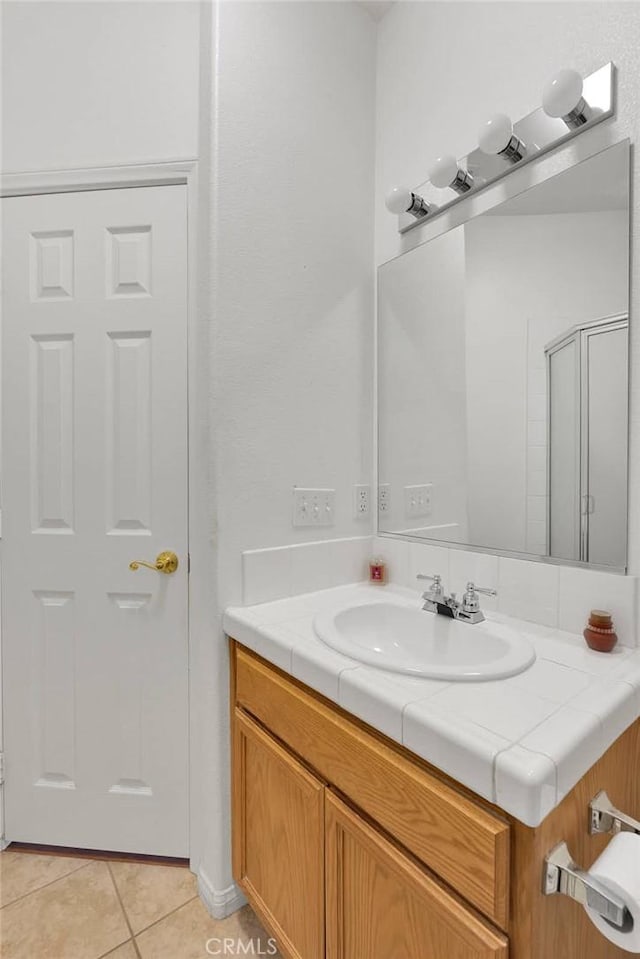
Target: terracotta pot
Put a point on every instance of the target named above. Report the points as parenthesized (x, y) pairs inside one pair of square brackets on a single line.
[(600, 634)]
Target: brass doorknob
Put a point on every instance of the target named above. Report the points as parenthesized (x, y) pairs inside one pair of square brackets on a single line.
[(166, 562)]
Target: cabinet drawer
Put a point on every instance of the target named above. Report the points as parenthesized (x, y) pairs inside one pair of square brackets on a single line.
[(462, 842), (381, 905)]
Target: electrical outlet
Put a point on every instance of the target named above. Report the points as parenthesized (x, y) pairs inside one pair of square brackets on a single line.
[(314, 507), (384, 498), (417, 500), (361, 500)]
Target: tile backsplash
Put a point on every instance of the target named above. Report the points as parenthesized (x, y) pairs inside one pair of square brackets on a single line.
[(269, 574), (555, 596)]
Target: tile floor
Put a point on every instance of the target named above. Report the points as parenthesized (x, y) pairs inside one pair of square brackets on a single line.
[(72, 907)]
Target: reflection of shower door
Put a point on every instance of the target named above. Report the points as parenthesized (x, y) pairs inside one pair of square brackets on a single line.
[(587, 436)]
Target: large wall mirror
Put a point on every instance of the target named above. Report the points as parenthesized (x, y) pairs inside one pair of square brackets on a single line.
[(503, 374)]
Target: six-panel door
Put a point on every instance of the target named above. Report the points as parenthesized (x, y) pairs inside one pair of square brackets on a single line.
[(94, 476), (278, 839)]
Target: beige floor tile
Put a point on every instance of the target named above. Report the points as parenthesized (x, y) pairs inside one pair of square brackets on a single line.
[(123, 952), (150, 892), (185, 933), (78, 917), (24, 872)]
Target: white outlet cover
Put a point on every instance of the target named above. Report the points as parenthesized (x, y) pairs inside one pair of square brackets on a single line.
[(361, 501), (314, 507), (384, 498)]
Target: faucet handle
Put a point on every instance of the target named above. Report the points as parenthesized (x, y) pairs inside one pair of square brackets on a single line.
[(472, 588), (436, 580), (470, 601)]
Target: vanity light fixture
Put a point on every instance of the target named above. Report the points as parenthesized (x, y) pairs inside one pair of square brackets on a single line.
[(562, 97), (400, 199), (496, 137), (504, 146), (444, 172)]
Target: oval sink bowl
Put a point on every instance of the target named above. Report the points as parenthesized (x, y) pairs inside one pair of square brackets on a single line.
[(405, 639)]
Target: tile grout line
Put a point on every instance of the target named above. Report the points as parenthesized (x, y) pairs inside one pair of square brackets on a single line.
[(46, 885), (125, 914), (171, 913), (112, 952)]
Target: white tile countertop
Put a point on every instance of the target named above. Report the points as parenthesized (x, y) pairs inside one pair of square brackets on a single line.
[(522, 743)]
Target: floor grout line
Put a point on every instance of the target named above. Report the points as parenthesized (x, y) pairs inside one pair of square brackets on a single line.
[(112, 952), (124, 912), (46, 885), (132, 936), (162, 918)]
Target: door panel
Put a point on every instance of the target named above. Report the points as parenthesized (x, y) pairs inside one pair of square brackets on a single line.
[(95, 476), (381, 905)]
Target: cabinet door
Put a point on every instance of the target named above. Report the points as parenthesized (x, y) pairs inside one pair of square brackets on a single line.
[(278, 840), (381, 905)]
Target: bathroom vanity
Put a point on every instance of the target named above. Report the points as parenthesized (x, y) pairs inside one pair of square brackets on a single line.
[(423, 817), (350, 845)]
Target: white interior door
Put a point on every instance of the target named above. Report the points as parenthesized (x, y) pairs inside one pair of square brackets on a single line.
[(94, 382)]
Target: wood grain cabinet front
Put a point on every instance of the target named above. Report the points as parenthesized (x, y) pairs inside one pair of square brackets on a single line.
[(382, 905), (278, 840)]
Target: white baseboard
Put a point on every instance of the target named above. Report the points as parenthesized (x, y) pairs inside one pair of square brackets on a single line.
[(219, 903)]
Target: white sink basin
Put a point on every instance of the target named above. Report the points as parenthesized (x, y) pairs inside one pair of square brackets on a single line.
[(403, 638)]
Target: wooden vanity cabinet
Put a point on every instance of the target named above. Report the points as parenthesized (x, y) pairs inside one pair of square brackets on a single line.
[(297, 847), (349, 847), (318, 804)]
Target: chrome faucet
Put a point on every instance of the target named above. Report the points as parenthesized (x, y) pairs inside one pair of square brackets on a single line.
[(466, 610)]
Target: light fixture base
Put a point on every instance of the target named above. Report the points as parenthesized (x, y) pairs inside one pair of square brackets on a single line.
[(515, 150), (463, 182), (580, 115)]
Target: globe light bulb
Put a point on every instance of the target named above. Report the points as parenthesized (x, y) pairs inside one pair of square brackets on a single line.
[(562, 94), (496, 138), (495, 133), (443, 171), (562, 97), (399, 200)]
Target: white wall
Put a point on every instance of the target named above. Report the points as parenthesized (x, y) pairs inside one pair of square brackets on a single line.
[(98, 83), (293, 298), (287, 283), (437, 80)]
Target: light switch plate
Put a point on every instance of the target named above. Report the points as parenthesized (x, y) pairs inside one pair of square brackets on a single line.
[(417, 500), (313, 507)]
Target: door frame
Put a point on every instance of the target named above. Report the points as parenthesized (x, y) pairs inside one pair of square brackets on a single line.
[(201, 583)]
